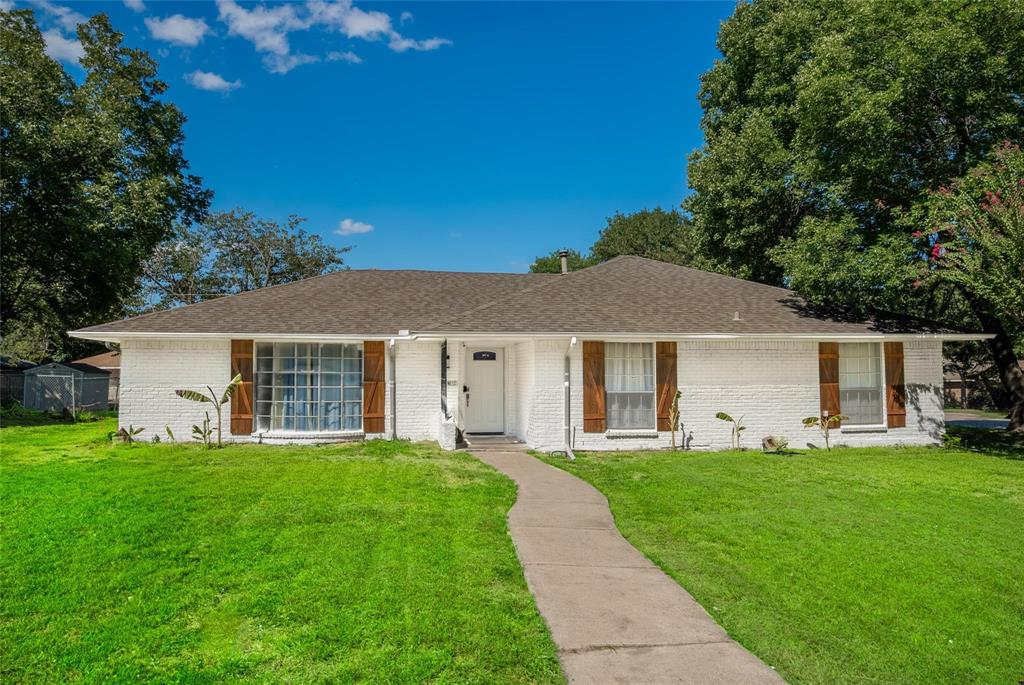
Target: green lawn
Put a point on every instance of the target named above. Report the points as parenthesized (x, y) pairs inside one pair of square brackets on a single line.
[(376, 562), (855, 566)]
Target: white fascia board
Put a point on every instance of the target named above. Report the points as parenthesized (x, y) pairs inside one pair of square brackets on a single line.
[(892, 337), (470, 335), (261, 337)]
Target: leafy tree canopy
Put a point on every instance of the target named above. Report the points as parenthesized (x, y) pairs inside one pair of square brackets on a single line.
[(827, 124), (233, 252), (94, 177), (652, 233)]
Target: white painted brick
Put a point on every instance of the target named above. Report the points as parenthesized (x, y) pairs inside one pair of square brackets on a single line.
[(773, 384)]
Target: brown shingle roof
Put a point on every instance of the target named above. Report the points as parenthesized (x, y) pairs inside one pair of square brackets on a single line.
[(622, 295), (103, 360)]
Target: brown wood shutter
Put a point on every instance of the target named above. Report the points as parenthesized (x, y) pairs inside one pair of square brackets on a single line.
[(828, 378), (241, 401), (373, 386), (895, 392), (666, 365), (593, 387)]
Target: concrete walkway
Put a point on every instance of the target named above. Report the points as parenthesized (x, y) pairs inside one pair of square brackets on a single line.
[(615, 616)]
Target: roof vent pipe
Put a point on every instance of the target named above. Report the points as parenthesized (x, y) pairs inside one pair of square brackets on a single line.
[(563, 256), (736, 316)]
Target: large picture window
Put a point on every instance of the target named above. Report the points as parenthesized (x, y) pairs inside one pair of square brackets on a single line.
[(309, 387), (860, 383), (629, 385)]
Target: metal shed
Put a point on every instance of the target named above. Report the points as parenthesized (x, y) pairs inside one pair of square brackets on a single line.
[(68, 386)]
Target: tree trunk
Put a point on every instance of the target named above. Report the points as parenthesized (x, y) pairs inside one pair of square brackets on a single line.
[(1005, 359)]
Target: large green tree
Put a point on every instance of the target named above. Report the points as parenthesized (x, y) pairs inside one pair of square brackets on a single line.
[(653, 233), (825, 123), (93, 178), (233, 252)]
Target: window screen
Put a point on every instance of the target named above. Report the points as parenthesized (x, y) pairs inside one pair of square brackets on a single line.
[(309, 387), (860, 383), (629, 385)]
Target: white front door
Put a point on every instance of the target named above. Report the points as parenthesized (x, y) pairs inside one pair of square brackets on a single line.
[(484, 398)]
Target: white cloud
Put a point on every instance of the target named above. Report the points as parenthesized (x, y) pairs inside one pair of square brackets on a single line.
[(405, 17), (267, 28), (401, 44), (67, 18), (135, 5), (177, 29), (347, 56), (282, 64), (60, 48), (351, 227), (206, 80), (6, 5)]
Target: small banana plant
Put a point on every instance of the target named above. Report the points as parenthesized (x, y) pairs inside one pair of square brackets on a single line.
[(218, 401), (202, 432), (673, 417), (170, 434), (825, 423), (737, 427), (127, 435)]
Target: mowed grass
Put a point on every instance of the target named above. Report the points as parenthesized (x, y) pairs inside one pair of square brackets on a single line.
[(377, 562), (856, 566)]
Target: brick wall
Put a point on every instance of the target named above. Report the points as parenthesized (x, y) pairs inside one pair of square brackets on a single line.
[(151, 370)]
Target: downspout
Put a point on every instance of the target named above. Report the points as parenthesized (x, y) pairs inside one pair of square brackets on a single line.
[(392, 374), (567, 413)]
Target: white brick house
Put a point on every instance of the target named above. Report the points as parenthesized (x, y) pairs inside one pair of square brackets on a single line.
[(588, 360)]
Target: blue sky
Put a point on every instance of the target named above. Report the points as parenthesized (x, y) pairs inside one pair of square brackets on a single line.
[(470, 136)]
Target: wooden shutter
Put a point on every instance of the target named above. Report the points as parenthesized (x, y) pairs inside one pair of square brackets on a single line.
[(241, 401), (666, 369), (828, 377), (593, 387), (373, 386), (895, 392)]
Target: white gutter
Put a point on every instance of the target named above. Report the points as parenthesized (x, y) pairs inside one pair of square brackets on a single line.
[(567, 410)]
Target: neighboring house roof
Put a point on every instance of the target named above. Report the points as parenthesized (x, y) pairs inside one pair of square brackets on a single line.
[(10, 364), (623, 295), (82, 368), (104, 360)]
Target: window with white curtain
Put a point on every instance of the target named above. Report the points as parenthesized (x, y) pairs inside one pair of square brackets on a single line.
[(309, 387), (860, 383), (629, 385)]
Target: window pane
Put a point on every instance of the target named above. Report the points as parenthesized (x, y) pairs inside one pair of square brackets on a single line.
[(860, 383), (309, 387), (629, 385)]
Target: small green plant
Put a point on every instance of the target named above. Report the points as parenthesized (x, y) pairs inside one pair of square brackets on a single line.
[(218, 401), (737, 427), (673, 417), (202, 432), (825, 424), (156, 440), (170, 435), (127, 435)]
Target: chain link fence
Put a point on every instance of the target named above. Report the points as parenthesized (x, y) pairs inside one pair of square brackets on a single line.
[(50, 393)]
